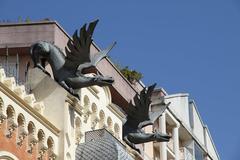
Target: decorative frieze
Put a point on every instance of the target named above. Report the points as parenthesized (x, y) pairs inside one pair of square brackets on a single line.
[(39, 107), (52, 156), (78, 138), (13, 117), (30, 99), (42, 151), (2, 118), (20, 91), (31, 145), (11, 129), (9, 82), (94, 122), (86, 115), (21, 138)]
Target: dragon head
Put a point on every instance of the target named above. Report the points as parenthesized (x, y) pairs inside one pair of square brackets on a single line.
[(161, 137), (41, 48), (103, 80), (39, 53)]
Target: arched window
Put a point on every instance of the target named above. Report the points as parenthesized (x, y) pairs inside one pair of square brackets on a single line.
[(94, 108), (50, 144), (41, 139), (78, 132), (21, 124), (94, 116), (86, 101), (109, 124), (86, 108), (10, 113), (2, 114), (21, 129), (1, 105), (102, 119), (10, 121), (31, 128), (116, 130), (31, 136), (41, 136)]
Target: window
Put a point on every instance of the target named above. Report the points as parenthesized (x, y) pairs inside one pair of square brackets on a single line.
[(10, 65), (198, 152)]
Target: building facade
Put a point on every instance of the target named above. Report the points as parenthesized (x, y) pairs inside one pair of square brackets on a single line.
[(41, 120)]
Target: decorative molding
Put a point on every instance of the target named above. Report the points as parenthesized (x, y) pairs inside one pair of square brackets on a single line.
[(86, 115), (73, 103), (21, 137), (79, 136), (93, 91), (32, 143), (18, 100), (94, 123), (117, 112), (2, 118), (11, 129), (42, 151)]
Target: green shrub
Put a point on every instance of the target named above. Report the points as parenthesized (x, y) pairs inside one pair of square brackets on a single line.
[(132, 75)]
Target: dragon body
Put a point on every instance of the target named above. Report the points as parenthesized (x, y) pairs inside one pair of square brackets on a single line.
[(68, 69), (138, 116)]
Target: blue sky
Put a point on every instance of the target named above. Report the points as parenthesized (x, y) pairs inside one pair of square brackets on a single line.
[(184, 46)]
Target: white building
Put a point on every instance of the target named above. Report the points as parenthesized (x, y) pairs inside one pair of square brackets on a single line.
[(191, 138)]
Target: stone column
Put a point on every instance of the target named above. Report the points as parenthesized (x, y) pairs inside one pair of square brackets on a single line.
[(175, 137), (163, 145)]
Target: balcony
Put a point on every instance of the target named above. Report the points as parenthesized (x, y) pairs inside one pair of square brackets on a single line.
[(185, 154), (170, 152)]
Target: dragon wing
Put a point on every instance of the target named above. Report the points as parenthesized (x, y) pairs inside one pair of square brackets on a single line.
[(102, 54), (139, 111), (154, 115), (78, 49)]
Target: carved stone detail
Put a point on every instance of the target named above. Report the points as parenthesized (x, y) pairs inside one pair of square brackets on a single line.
[(2, 118), (94, 123), (79, 136), (21, 137), (86, 115), (42, 151), (31, 145), (52, 156), (11, 129)]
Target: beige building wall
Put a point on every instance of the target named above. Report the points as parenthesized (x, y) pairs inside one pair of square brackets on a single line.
[(21, 117), (74, 117)]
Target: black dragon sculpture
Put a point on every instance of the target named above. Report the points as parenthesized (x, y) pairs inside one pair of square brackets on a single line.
[(138, 116), (68, 70)]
